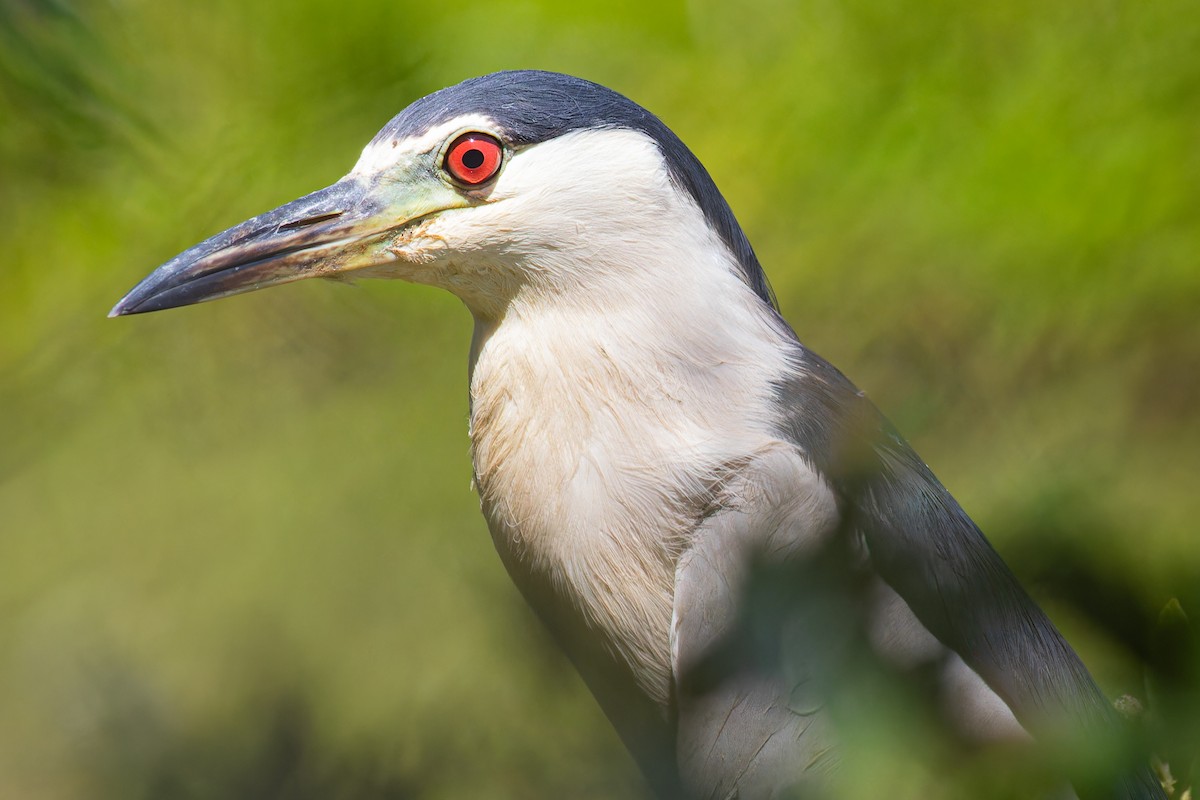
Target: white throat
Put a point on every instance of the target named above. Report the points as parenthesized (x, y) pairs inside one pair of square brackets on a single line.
[(602, 416)]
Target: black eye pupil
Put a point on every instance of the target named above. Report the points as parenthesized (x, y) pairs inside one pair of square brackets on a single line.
[(473, 159)]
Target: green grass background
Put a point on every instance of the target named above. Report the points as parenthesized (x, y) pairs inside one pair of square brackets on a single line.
[(239, 554)]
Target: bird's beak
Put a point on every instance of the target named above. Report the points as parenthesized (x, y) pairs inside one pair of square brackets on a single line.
[(345, 227)]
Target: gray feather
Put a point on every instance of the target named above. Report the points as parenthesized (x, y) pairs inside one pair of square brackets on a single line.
[(926, 548)]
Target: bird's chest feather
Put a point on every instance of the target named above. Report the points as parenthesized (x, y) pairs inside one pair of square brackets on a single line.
[(594, 461)]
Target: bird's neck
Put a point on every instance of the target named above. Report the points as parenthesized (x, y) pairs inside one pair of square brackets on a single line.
[(597, 436)]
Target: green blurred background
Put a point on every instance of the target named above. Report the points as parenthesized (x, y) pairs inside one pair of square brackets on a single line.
[(239, 554)]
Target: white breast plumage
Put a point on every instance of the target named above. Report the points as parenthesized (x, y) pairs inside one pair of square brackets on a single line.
[(595, 451)]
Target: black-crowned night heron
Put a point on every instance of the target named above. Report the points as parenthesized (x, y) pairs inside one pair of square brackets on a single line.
[(652, 444)]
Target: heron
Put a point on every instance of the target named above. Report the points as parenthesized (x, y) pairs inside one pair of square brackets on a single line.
[(652, 444)]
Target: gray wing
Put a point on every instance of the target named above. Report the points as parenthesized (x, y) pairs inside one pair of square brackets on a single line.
[(925, 548), (775, 610)]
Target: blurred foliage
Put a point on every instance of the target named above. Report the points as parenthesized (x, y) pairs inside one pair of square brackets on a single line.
[(239, 556)]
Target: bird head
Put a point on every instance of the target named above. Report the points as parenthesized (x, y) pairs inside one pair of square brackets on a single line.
[(515, 184)]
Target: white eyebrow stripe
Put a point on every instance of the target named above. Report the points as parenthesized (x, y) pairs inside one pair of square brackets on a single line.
[(380, 155)]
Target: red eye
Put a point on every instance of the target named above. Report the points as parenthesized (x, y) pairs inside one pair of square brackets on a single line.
[(474, 158)]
